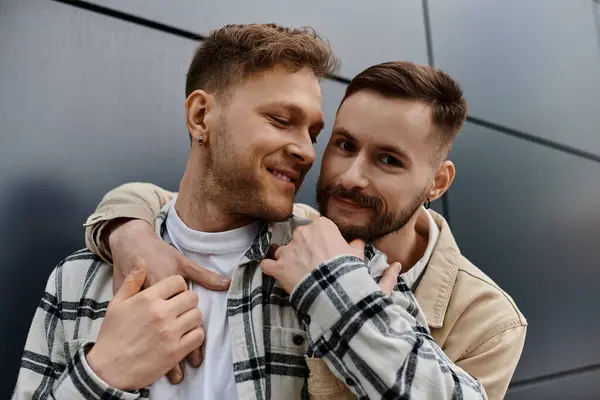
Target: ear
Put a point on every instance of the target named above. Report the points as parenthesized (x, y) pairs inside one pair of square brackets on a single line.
[(199, 110), (443, 179)]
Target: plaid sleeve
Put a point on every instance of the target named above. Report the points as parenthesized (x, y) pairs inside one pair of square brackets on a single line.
[(379, 345), (53, 367)]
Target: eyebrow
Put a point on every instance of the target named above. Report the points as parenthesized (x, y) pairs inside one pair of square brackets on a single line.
[(388, 148), (297, 110)]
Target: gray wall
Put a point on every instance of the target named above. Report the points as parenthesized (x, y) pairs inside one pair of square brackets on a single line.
[(92, 97)]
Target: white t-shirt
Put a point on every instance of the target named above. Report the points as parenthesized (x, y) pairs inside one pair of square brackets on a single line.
[(220, 252)]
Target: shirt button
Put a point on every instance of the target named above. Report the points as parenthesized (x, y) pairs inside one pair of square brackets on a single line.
[(349, 381), (298, 340)]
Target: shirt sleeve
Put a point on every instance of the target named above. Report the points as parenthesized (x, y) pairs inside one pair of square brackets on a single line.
[(379, 345), (132, 200), (55, 368)]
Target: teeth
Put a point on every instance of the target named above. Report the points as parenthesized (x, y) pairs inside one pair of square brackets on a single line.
[(282, 176)]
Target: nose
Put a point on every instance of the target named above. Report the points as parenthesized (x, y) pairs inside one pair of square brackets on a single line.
[(303, 151), (354, 176)]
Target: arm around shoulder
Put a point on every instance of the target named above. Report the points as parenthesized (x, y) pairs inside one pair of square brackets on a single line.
[(135, 200)]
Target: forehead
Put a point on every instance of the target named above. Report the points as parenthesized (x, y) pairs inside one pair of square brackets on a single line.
[(280, 86), (372, 118)]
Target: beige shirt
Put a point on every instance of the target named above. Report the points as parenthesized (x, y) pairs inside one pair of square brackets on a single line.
[(474, 321)]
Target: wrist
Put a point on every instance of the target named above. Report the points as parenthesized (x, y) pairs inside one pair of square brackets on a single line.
[(106, 370), (120, 229)]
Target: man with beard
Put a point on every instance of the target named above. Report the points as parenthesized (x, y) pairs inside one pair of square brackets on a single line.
[(386, 157), (253, 112)]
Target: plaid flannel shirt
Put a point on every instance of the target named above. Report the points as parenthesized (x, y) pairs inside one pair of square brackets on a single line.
[(379, 345)]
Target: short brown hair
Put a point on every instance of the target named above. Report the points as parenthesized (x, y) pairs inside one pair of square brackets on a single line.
[(234, 52), (412, 81)]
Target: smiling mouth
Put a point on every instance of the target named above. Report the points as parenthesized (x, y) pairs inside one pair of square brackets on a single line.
[(348, 202), (282, 176)]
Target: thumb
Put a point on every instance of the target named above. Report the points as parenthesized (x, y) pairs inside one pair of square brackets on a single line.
[(132, 283), (269, 267), (359, 245), (390, 278)]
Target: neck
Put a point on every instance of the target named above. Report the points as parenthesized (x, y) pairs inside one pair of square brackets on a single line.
[(406, 245), (200, 205)]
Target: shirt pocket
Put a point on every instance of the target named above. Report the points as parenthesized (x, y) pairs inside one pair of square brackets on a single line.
[(288, 341), (323, 384)]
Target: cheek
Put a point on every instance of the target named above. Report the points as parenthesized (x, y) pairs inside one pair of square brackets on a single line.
[(332, 166)]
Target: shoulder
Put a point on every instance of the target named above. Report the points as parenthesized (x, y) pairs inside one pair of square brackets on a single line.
[(82, 274), (302, 215), (305, 211), (480, 310), (484, 292)]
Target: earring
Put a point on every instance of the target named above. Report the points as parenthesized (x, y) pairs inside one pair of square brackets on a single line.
[(427, 204), (201, 140)]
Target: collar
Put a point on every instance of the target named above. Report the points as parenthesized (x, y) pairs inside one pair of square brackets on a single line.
[(425, 224), (437, 283), (275, 232)]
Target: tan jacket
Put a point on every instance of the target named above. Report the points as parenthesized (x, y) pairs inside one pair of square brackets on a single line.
[(476, 323)]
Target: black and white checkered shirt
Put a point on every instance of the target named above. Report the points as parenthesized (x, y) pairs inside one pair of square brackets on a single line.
[(379, 345)]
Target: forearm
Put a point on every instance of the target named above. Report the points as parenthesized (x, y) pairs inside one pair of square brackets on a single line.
[(142, 201), (379, 345)]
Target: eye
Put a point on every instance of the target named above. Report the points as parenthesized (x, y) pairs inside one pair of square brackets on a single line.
[(346, 145), (391, 161), (280, 122)]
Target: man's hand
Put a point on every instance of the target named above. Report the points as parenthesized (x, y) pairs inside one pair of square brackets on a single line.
[(389, 278), (130, 240), (145, 334), (136, 239), (310, 246)]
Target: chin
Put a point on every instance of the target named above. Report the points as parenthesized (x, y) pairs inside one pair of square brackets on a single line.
[(277, 210)]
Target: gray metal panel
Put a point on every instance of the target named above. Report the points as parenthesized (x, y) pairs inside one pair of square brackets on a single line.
[(579, 387), (531, 65), (527, 215), (87, 103), (362, 33)]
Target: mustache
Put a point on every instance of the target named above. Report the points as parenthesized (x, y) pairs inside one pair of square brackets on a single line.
[(355, 196)]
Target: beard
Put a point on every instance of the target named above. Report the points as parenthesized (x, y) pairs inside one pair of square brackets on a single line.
[(233, 184), (383, 222)]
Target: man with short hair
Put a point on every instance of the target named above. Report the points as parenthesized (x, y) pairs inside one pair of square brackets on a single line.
[(387, 155), (252, 112)]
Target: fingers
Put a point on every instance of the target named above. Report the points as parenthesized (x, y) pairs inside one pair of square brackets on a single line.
[(168, 287), (175, 375), (269, 267), (183, 302), (132, 283), (189, 321), (191, 340), (390, 278), (205, 277), (359, 245), (195, 357), (277, 253)]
